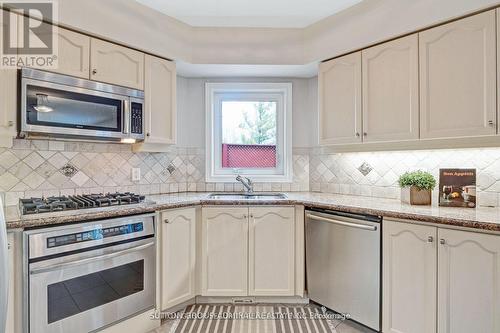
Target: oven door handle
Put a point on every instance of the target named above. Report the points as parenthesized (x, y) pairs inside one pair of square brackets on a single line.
[(88, 260)]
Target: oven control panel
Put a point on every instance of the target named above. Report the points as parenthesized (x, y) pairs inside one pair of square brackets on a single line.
[(95, 234)]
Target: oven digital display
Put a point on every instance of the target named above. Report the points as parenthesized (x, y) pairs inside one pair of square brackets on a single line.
[(95, 234)]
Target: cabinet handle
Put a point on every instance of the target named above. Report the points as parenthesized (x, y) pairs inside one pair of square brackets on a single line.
[(147, 134), (94, 71), (491, 122), (167, 221), (357, 134), (442, 241), (430, 239), (10, 123), (245, 216), (365, 134), (251, 216)]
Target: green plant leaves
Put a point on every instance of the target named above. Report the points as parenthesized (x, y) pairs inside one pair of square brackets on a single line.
[(421, 179)]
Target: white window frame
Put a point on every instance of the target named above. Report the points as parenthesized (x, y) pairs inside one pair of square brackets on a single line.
[(215, 94)]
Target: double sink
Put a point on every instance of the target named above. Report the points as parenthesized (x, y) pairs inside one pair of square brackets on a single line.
[(246, 196)]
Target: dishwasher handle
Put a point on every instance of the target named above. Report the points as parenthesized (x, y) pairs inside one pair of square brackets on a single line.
[(343, 223)]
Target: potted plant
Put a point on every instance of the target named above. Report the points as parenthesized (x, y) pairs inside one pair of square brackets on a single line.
[(416, 187)]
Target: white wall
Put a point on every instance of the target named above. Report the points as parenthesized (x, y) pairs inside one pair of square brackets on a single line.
[(191, 109)]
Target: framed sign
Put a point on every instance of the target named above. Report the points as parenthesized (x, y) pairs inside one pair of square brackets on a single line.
[(457, 188)]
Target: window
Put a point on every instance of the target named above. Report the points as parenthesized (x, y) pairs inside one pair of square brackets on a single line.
[(249, 131)]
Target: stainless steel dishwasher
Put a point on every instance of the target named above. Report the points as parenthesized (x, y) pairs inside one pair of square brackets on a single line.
[(343, 263)]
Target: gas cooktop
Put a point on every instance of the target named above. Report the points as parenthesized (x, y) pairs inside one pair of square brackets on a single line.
[(70, 202)]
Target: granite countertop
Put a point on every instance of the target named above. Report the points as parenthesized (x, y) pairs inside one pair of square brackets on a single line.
[(480, 218)]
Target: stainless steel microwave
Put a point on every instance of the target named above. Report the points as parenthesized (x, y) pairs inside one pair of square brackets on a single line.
[(64, 106)]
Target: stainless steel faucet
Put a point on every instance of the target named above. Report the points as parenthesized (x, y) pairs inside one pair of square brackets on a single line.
[(247, 183)]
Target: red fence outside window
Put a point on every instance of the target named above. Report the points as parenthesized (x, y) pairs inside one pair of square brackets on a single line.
[(248, 156)]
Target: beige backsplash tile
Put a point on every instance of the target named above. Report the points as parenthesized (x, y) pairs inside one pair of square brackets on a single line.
[(33, 168), (339, 173)]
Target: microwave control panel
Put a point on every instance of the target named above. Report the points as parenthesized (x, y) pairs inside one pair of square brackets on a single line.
[(136, 121)]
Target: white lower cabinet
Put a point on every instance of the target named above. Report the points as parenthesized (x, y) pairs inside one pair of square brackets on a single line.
[(248, 251), (439, 279), (11, 305), (409, 278), (178, 251), (271, 256), (468, 282), (224, 251)]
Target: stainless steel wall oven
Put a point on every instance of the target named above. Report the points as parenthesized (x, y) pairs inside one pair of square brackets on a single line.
[(84, 277)]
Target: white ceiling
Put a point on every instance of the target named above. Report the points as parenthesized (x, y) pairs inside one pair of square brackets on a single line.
[(249, 13)]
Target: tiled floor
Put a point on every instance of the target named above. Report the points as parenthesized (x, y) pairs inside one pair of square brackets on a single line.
[(351, 327), (340, 327)]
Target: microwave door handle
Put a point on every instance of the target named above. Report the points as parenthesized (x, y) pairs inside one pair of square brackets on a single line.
[(126, 117), (80, 262)]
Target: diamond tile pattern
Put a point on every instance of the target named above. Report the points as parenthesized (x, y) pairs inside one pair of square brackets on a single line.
[(382, 180), (33, 168)]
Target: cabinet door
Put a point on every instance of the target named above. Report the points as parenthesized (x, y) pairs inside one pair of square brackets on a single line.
[(178, 250), (468, 282), (116, 64), (409, 278), (271, 257), (11, 318), (224, 251), (339, 83), (390, 91), (73, 53), (458, 78), (498, 70), (160, 90), (8, 99)]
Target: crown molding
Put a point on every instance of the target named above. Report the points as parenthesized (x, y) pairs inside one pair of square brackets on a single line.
[(367, 23)]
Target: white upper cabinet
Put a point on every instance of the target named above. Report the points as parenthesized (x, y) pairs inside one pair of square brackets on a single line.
[(73, 53), (224, 251), (8, 99), (271, 251), (116, 64), (160, 104), (409, 278), (178, 255), (468, 282), (390, 91), (458, 78), (339, 83)]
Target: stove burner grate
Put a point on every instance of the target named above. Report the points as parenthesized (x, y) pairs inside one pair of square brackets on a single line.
[(71, 202)]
